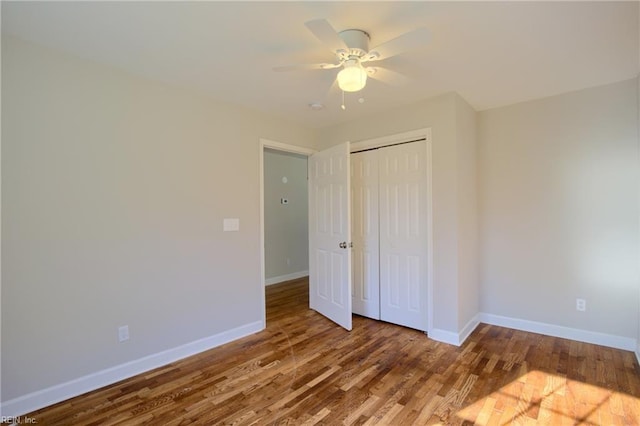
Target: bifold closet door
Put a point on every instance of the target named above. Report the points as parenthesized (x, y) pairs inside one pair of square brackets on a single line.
[(403, 234), (364, 234)]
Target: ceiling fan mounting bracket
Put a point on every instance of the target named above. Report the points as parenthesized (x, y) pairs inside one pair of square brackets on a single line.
[(357, 41)]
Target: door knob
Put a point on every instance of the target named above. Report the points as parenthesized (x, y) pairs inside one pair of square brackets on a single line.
[(343, 244)]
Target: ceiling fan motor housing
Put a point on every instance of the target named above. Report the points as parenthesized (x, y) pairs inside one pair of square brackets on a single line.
[(357, 41)]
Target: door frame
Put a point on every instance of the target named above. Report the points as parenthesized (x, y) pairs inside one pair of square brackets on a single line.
[(424, 133), (278, 146), (356, 146)]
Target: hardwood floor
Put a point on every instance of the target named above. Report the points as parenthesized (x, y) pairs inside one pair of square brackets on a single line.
[(304, 370)]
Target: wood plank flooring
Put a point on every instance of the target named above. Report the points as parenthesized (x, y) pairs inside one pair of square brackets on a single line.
[(305, 370)]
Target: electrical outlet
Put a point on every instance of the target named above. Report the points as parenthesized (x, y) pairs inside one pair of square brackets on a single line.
[(123, 333), (581, 305)]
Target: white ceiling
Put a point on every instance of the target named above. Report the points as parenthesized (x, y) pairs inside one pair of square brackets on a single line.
[(491, 53)]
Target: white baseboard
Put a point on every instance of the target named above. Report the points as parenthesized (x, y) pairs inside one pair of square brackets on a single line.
[(287, 277), (443, 336), (452, 338), (54, 394), (468, 329), (610, 340)]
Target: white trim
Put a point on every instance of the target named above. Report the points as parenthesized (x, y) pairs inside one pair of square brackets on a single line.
[(637, 351), (54, 394), (266, 143), (263, 297), (468, 328), (286, 277), (391, 139), (610, 340), (444, 336), (452, 338), (430, 308)]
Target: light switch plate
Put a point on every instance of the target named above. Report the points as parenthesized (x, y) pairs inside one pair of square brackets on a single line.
[(232, 224)]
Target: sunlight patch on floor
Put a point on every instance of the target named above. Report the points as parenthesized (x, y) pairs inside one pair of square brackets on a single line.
[(560, 402)]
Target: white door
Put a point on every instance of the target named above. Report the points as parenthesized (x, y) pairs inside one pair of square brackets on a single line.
[(403, 235), (329, 234), (364, 232)]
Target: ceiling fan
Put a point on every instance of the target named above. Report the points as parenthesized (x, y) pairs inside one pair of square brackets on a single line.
[(351, 50)]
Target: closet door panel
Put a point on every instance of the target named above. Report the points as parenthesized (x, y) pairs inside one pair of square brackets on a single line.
[(403, 235), (364, 234)]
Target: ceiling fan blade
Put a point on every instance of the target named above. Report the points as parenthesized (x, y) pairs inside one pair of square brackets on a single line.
[(404, 65), (306, 67), (387, 76), (323, 30), (407, 41), (333, 89)]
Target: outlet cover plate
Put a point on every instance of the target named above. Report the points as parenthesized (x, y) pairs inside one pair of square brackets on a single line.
[(123, 333)]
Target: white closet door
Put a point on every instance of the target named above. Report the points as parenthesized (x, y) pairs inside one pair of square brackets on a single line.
[(403, 235), (364, 233)]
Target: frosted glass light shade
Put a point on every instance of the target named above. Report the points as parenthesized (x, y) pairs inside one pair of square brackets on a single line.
[(352, 78)]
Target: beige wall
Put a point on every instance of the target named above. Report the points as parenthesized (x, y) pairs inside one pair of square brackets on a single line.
[(286, 233), (114, 193), (468, 244), (115, 188), (451, 121), (559, 210)]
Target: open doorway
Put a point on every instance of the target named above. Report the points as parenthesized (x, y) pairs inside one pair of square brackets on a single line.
[(286, 233), (284, 215)]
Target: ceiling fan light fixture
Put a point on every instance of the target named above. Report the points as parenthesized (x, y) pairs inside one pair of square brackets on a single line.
[(353, 77)]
